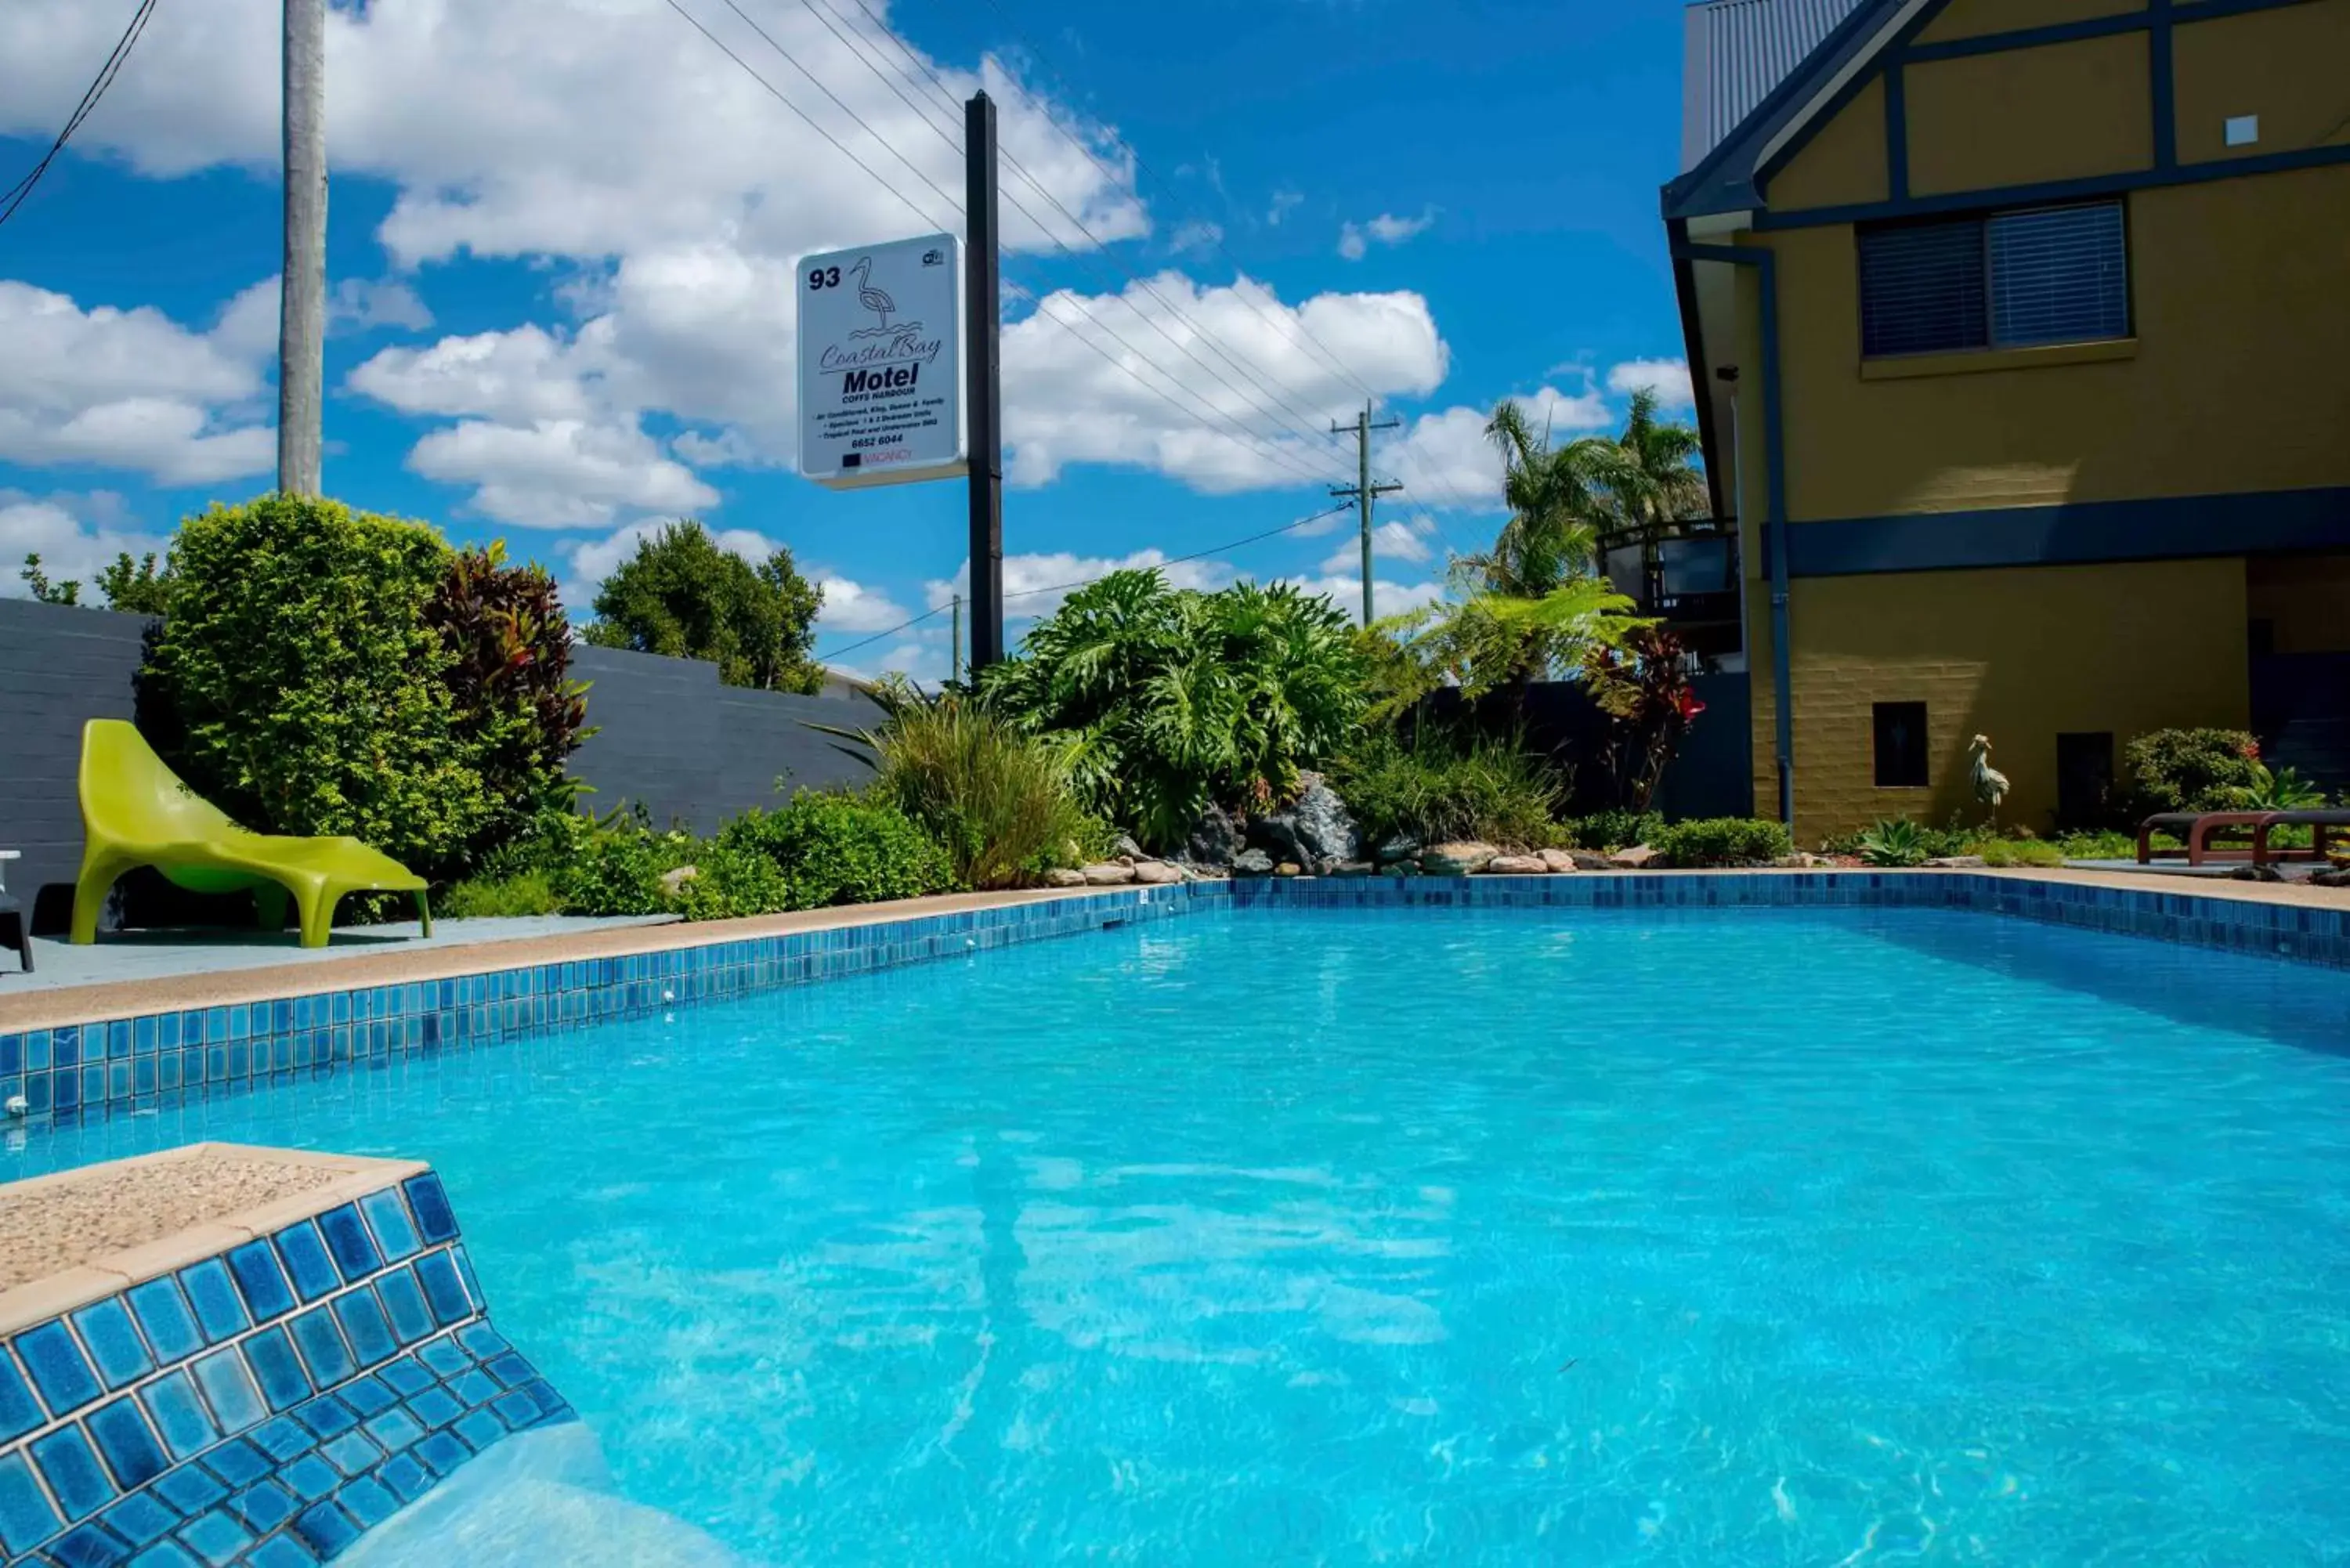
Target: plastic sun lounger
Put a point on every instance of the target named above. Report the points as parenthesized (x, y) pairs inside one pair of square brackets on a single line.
[(136, 812), (2200, 828), (2324, 823)]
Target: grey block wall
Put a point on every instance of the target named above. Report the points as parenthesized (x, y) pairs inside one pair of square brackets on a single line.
[(670, 737), (60, 667)]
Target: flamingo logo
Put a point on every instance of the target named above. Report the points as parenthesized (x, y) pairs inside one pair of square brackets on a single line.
[(876, 300)]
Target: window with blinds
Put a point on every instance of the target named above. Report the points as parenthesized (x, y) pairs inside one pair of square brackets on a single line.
[(2041, 275)]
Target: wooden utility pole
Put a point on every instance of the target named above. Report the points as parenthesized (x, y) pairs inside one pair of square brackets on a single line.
[(302, 304), (983, 383), (1363, 492)]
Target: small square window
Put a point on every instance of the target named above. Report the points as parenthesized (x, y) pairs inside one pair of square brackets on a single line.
[(1901, 744), (2085, 777)]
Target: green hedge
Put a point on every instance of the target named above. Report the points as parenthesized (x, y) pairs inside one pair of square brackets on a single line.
[(1722, 841), (2191, 770)]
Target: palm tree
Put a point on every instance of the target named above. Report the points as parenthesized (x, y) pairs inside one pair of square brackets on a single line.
[(1557, 497), (1655, 477)]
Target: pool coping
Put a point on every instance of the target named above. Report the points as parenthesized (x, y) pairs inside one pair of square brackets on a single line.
[(108, 1048)]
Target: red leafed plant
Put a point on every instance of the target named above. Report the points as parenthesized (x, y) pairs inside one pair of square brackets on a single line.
[(1644, 689), (509, 643)]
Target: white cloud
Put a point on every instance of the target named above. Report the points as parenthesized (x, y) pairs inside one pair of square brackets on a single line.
[(1449, 459), (559, 474), (1355, 240), (130, 389), (1065, 402), (361, 304), (850, 605), (1196, 234), (75, 535), (1034, 584), (1387, 598), (1390, 542), (1283, 202), (1669, 379)]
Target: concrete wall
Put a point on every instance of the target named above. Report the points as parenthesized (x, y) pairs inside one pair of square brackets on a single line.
[(672, 738)]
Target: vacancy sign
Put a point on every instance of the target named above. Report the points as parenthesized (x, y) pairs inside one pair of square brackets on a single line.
[(880, 344)]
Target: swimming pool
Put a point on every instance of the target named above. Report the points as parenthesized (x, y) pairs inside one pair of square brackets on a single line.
[(1462, 1236)]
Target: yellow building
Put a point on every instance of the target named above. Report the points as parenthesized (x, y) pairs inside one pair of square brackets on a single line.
[(2022, 337)]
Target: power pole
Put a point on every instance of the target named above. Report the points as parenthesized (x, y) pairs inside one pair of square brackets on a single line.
[(302, 304), (1363, 492), (954, 649), (984, 382)]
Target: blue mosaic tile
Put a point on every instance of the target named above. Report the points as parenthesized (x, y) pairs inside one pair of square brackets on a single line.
[(271, 1357), (131, 1452), (191, 1488), (306, 1260), (475, 1388), (444, 1357), (141, 1520), (260, 1281), (369, 1501), (510, 1370), (282, 1438), (387, 1218), (517, 1410), (92, 1546), (238, 1463), (311, 1478), (70, 1466), (404, 1303), (186, 1427), (326, 1529), (58, 1368), (281, 1550), (120, 1354), (395, 1429), (263, 1506), (407, 1479), (19, 1411), (215, 1537), (479, 1429), (353, 1454), (327, 1417), (435, 1221), (482, 1342), (228, 1386), (27, 1516), (347, 1238), (368, 1395), (322, 1348), (164, 1316), (444, 1291), (443, 1453), (167, 1555), (364, 1326), (220, 1311), (435, 1407)]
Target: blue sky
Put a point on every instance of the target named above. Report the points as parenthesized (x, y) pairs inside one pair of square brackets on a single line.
[(563, 234)]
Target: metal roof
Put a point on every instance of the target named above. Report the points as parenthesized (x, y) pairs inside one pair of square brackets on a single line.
[(1736, 51)]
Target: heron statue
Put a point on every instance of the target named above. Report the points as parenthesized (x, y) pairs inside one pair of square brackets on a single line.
[(1991, 784)]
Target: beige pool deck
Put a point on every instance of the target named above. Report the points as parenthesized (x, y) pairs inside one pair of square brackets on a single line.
[(81, 1235), (391, 963)]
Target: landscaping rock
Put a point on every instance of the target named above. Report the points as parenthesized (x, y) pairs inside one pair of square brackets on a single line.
[(1215, 839), (1955, 862), (1516, 866), (672, 883), (1402, 847), (1462, 859), (1062, 876), (1352, 868), (2330, 878), (1157, 871), (2257, 874), (1559, 861), (1289, 869), (1107, 874), (1251, 863), (1316, 830), (1590, 860), (1125, 849), (1632, 859), (1803, 860)]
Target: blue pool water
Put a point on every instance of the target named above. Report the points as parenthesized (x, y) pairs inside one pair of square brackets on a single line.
[(1486, 1238)]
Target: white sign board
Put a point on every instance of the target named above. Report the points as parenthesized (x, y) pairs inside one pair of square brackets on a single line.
[(880, 337)]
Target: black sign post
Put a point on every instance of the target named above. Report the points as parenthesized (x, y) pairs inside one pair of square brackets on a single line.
[(983, 381)]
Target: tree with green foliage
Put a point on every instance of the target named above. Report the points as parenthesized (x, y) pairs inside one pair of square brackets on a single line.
[(310, 695), (1163, 700), (139, 589), (44, 591), (684, 595), (1655, 475)]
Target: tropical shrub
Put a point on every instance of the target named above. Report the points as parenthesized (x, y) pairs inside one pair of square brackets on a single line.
[(1437, 787), (1614, 829), (1163, 700), (138, 589), (999, 802), (682, 595), (730, 881), (2281, 789), (517, 711), (306, 694), (490, 898), (1642, 684), (44, 591), (837, 848), (618, 869), (2191, 770), (1896, 841), (1722, 841)]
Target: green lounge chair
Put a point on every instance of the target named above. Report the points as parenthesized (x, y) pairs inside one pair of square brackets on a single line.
[(136, 812)]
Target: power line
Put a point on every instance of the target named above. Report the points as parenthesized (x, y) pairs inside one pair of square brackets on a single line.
[(22, 190)]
